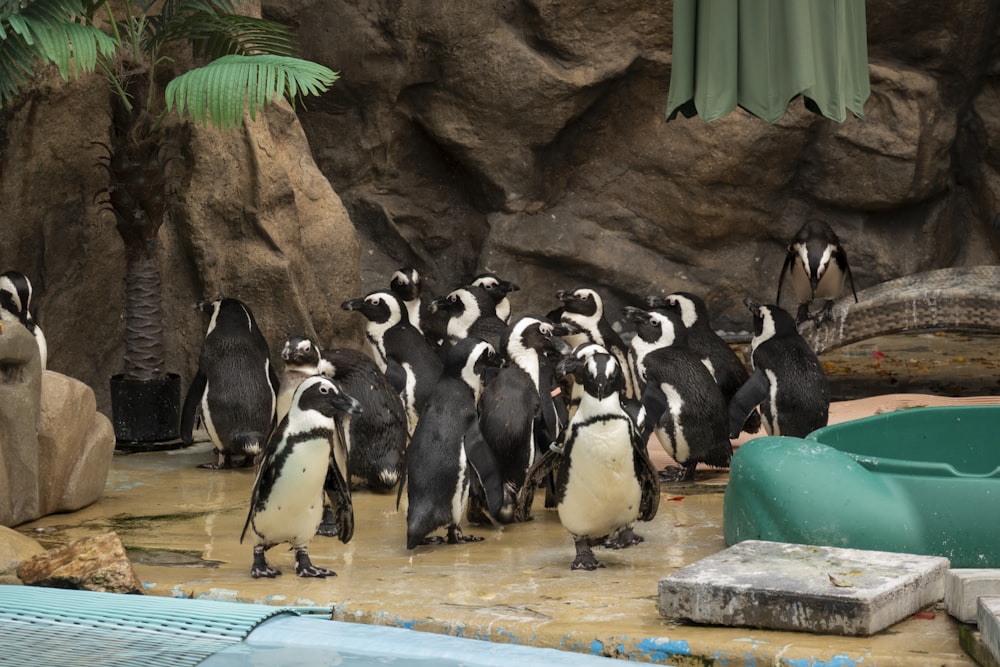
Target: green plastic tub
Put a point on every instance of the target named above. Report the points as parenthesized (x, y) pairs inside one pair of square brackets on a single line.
[(922, 481)]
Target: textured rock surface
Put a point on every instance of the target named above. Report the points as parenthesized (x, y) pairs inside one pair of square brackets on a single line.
[(16, 548), (91, 563), (529, 138), (55, 448)]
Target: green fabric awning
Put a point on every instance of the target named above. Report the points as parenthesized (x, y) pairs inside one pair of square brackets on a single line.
[(761, 54)]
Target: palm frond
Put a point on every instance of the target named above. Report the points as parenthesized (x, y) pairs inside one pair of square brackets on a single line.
[(219, 92), (214, 35)]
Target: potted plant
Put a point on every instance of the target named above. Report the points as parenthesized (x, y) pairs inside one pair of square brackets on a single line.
[(245, 64)]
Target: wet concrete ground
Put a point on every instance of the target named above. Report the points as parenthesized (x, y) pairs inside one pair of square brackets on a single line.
[(181, 525)]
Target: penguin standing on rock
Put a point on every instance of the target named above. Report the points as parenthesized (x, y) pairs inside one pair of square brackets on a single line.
[(682, 404), (376, 438), (817, 266), (447, 449), (296, 470), (787, 382), (15, 306), (724, 364), (604, 479), (235, 385), (402, 353)]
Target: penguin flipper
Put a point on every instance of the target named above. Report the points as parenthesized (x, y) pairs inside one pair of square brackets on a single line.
[(850, 276), (654, 405), (540, 470), (649, 479), (484, 463), (789, 260), (339, 493), (745, 400), (266, 475), (395, 374), (190, 408)]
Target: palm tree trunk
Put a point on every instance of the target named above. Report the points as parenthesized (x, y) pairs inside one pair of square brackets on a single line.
[(143, 315)]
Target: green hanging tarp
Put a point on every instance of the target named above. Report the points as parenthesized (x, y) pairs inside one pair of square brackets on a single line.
[(761, 54)]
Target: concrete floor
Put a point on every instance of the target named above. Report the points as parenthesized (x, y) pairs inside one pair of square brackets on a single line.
[(181, 525)]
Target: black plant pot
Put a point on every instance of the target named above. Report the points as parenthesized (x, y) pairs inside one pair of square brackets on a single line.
[(146, 413)]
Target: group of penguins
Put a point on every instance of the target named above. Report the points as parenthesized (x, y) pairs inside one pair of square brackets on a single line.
[(470, 409)]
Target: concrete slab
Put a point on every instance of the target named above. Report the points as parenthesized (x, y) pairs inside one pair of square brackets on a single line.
[(989, 624), (962, 587), (808, 588)]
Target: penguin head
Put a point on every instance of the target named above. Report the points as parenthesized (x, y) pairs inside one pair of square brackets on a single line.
[(538, 335), (662, 327), (691, 307), (299, 351), (769, 321), (15, 297), (406, 284), (582, 301), (468, 358), (229, 312), (599, 372), (379, 307), (495, 286), (814, 246), (321, 395)]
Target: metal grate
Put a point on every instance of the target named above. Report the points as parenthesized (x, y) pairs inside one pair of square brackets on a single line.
[(82, 628)]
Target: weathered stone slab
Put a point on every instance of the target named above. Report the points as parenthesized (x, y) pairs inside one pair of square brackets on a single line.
[(989, 624), (808, 588), (964, 586), (92, 564)]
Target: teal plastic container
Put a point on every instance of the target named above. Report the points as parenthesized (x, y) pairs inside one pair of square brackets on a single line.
[(921, 480)]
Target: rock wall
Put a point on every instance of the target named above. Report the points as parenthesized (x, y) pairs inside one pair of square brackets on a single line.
[(528, 137)]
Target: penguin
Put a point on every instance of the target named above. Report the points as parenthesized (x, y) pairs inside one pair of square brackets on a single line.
[(682, 404), (296, 470), (301, 358), (235, 385), (405, 357), (447, 450), (498, 289), (604, 478), (583, 308), (376, 438), (407, 285), (817, 265), (471, 313), (787, 382), (518, 413), (725, 365), (15, 306)]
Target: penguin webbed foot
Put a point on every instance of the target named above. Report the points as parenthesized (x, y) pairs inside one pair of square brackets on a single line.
[(260, 568), (328, 526), (305, 568), (802, 314), (681, 473), (455, 536), (823, 314), (226, 462), (623, 539), (585, 558)]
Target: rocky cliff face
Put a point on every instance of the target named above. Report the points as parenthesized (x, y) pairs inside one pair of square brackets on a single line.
[(527, 137)]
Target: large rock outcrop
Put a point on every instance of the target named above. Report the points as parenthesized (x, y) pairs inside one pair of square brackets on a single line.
[(55, 448), (529, 138)]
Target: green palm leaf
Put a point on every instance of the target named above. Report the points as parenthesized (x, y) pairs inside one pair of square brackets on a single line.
[(219, 92)]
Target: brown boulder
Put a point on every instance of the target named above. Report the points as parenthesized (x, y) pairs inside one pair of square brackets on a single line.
[(92, 563)]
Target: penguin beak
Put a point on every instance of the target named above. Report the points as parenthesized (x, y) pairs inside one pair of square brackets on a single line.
[(636, 315), (752, 305), (652, 302), (346, 404), (353, 304), (560, 346), (508, 286)]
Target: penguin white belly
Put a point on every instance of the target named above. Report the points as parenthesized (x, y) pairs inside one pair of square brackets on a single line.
[(460, 497), (831, 285), (206, 418), (294, 506), (602, 493), (800, 282)]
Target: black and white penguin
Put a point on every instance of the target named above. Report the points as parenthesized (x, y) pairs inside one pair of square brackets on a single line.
[(15, 306), (788, 382), (401, 352), (407, 285), (518, 414), (296, 470), (498, 289), (682, 404), (604, 479), (376, 437), (817, 266), (448, 448), (725, 365), (471, 313), (301, 358), (583, 309), (235, 385)]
